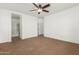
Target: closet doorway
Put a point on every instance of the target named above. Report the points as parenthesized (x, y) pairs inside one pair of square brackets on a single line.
[(40, 26), (16, 27)]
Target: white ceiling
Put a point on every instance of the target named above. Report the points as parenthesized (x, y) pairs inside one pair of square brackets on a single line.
[(25, 7)]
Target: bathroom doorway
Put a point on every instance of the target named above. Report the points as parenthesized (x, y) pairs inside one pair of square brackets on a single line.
[(16, 27)]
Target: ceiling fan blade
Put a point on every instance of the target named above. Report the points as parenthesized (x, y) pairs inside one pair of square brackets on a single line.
[(45, 10), (35, 5), (33, 10), (38, 12), (46, 6)]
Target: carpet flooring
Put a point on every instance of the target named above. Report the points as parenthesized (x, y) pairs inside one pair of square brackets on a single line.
[(39, 46)]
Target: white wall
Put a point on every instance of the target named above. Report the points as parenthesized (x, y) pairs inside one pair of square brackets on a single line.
[(28, 25), (63, 25), (5, 26)]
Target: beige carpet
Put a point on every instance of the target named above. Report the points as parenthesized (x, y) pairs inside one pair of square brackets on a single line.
[(39, 46)]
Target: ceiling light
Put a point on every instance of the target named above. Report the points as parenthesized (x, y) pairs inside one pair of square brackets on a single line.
[(39, 10)]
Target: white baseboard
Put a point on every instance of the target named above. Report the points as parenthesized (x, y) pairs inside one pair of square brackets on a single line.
[(62, 39), (6, 41), (29, 36)]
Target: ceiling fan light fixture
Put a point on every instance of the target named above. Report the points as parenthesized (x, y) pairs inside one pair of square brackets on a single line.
[(39, 10)]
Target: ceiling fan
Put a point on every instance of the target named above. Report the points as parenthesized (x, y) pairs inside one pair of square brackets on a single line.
[(41, 8)]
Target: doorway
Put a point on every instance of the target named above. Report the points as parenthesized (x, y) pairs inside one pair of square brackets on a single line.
[(40, 26), (16, 27)]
